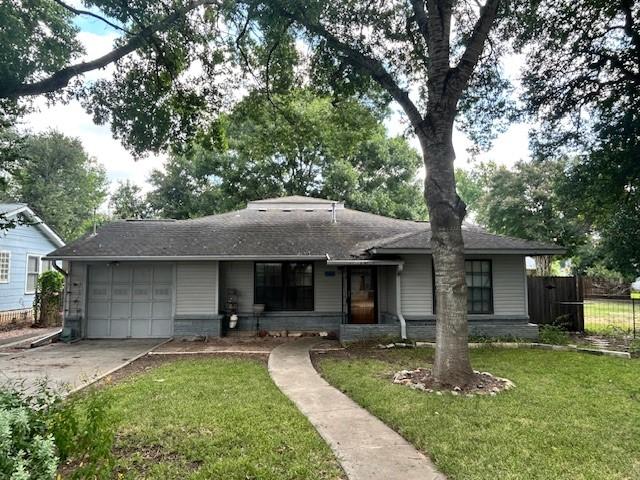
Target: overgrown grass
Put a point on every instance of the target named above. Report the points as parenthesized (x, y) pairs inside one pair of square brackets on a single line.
[(213, 419), (570, 416)]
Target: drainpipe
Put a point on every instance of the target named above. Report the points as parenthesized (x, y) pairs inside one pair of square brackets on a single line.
[(403, 323)]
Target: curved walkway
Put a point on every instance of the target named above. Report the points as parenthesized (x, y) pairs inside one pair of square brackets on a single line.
[(365, 447)]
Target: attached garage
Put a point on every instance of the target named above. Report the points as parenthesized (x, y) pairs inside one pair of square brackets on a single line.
[(129, 300)]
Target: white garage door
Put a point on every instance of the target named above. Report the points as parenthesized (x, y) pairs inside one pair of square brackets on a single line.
[(129, 300)]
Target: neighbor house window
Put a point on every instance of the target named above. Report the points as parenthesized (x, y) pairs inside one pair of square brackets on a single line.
[(5, 262), (33, 270), (479, 286), (284, 285)]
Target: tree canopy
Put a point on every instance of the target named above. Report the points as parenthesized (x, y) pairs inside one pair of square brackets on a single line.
[(298, 143), (127, 201), (59, 180)]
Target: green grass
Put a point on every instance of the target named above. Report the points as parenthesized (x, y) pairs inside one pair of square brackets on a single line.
[(600, 316), (214, 419), (571, 416)]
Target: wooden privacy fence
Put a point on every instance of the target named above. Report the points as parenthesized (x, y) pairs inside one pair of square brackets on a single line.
[(557, 301)]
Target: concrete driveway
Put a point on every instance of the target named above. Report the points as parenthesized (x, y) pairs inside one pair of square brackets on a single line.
[(71, 365)]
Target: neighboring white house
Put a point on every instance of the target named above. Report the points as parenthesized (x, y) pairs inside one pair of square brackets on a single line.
[(312, 263), (22, 249)]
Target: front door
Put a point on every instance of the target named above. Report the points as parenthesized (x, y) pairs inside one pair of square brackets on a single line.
[(362, 305)]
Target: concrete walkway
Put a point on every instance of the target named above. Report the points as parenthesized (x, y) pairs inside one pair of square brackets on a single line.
[(365, 447)]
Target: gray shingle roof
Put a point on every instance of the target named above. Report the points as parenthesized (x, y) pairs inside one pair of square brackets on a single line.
[(271, 232)]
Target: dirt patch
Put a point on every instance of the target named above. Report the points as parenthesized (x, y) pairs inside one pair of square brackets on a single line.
[(265, 344), (483, 383)]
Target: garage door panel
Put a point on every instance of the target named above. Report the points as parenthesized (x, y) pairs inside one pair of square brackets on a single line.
[(99, 292), (161, 310), (130, 301), (120, 310), (142, 292), (122, 274), (142, 274), (162, 293), (163, 274), (98, 273), (121, 293), (119, 328), (98, 328), (161, 328), (98, 310), (141, 310), (141, 328)]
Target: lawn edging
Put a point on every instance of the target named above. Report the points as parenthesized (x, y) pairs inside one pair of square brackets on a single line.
[(534, 345)]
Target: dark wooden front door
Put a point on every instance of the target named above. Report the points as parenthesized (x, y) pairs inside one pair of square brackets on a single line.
[(362, 306)]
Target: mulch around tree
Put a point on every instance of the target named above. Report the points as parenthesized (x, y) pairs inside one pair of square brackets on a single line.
[(483, 383)]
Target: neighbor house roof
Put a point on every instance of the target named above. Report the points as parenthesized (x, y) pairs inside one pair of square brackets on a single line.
[(273, 231), (9, 210)]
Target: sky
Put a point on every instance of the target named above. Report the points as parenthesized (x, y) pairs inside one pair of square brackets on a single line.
[(72, 120)]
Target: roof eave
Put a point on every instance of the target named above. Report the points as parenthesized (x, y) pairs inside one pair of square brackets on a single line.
[(477, 251), (166, 258)]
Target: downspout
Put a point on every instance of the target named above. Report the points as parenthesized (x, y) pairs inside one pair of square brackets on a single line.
[(403, 322)]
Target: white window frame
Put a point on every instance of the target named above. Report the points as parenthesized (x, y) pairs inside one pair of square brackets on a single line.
[(27, 273), (8, 254)]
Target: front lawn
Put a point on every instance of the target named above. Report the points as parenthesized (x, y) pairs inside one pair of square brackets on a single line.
[(571, 416), (213, 418)]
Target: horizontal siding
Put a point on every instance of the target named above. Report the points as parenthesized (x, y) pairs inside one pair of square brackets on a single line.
[(238, 275), (197, 288), (416, 286), (327, 289), (509, 285), (20, 241)]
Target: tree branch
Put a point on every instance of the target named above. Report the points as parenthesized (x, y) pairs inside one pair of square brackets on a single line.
[(62, 78), (91, 14), (465, 67), (361, 61)]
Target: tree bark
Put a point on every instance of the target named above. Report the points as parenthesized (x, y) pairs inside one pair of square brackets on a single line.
[(452, 366)]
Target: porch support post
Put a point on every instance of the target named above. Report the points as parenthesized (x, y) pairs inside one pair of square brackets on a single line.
[(403, 323)]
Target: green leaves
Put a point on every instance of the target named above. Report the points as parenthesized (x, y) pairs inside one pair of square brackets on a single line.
[(293, 144)]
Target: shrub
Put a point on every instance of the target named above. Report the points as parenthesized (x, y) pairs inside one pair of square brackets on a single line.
[(27, 447), (553, 335), (48, 297), (39, 431), (634, 347)]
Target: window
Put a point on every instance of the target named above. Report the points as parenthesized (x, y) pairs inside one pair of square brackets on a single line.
[(284, 285), (5, 263), (479, 286), (33, 271)]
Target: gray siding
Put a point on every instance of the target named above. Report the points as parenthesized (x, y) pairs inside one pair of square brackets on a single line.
[(509, 287), (416, 286), (196, 288), (327, 289), (387, 290)]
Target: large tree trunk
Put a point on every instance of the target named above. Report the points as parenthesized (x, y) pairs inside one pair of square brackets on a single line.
[(447, 211)]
